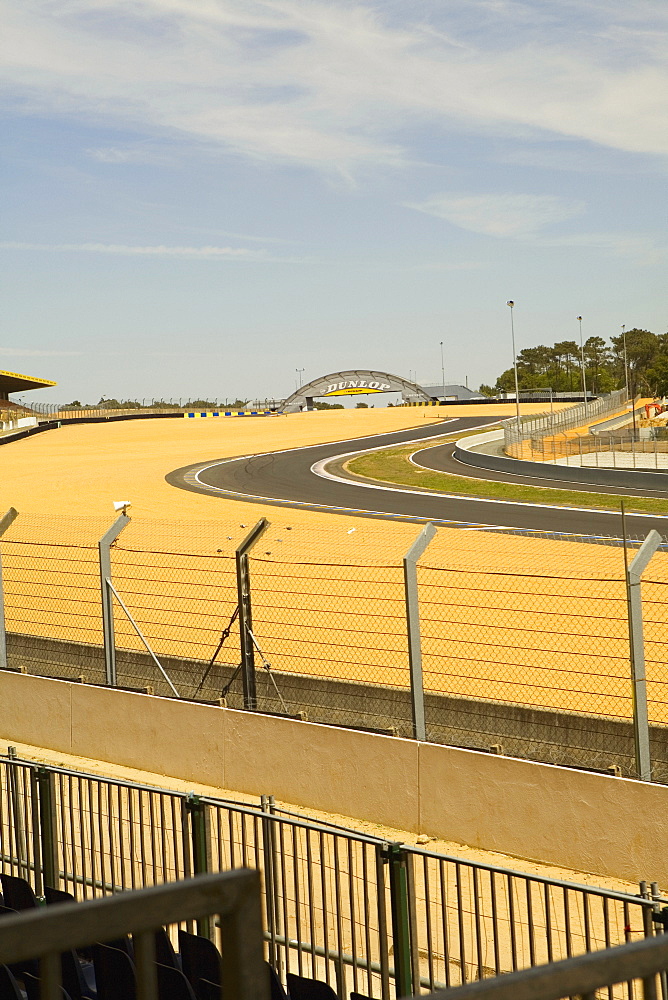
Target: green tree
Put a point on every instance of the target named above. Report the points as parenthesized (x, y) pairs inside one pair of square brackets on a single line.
[(534, 360), (642, 347), (657, 375), (597, 359), (568, 354)]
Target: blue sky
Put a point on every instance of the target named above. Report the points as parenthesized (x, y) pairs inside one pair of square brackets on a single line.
[(201, 197)]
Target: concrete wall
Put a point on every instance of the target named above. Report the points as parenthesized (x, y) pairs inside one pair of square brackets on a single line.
[(640, 479), (17, 423), (574, 819), (567, 738)]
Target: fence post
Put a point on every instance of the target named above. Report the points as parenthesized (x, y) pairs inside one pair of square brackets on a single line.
[(401, 920), (5, 522), (104, 548), (200, 845), (17, 826), (272, 904), (245, 616), (637, 650), (382, 858), (413, 625), (48, 834)]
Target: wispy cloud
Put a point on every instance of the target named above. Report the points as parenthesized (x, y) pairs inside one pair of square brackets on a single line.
[(509, 215), (188, 253), (334, 85), (528, 218)]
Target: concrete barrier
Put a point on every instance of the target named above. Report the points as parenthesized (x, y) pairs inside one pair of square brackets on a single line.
[(544, 735), (573, 819), (637, 479)]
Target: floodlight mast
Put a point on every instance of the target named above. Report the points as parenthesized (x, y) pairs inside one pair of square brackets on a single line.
[(511, 304), (582, 367)]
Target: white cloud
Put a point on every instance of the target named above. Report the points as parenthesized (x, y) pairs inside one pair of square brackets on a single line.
[(509, 215), (190, 253), (335, 84)]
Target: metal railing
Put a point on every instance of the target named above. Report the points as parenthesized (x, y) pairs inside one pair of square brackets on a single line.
[(353, 910), (644, 449), (144, 407), (541, 425), (232, 899)]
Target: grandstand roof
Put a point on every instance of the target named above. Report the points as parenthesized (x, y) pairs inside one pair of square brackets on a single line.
[(13, 382)]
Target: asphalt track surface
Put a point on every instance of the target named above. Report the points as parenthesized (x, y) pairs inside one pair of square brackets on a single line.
[(442, 459), (287, 479)]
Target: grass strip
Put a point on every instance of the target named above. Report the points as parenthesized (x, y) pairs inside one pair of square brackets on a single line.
[(392, 466)]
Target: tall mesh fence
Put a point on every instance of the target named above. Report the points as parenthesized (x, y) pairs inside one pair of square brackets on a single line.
[(329, 617), (525, 640), (517, 650)]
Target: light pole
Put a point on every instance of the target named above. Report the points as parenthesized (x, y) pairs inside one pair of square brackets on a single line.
[(298, 372), (442, 371), (626, 361), (511, 304), (582, 367)]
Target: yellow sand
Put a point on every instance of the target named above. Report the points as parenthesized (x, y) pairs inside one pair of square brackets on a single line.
[(535, 621), (82, 468)]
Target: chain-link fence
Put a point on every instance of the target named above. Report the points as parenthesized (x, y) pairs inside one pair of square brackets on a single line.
[(510, 643)]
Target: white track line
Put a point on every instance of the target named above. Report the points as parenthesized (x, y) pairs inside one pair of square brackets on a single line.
[(320, 469), (559, 484)]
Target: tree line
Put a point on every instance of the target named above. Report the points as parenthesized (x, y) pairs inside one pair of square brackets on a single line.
[(608, 366)]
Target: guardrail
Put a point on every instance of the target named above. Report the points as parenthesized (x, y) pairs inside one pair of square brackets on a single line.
[(546, 424), (354, 910)]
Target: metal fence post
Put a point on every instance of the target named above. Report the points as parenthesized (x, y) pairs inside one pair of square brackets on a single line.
[(16, 824), (43, 787), (5, 521), (272, 904), (413, 625), (245, 616), (637, 650), (401, 920), (200, 845), (104, 548)]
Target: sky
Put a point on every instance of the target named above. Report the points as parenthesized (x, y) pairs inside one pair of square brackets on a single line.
[(214, 198)]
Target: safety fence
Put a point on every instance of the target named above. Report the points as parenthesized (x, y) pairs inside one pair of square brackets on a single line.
[(647, 448), (537, 647), (144, 407), (359, 912), (542, 425)]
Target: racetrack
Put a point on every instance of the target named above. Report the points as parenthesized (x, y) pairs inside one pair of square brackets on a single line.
[(442, 458), (299, 478)]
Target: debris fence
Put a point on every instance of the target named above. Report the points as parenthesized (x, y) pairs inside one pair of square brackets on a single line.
[(508, 642)]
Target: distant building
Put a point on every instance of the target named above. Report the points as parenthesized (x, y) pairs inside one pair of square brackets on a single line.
[(451, 393)]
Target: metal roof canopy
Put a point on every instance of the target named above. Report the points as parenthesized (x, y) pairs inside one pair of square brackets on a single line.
[(13, 382)]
